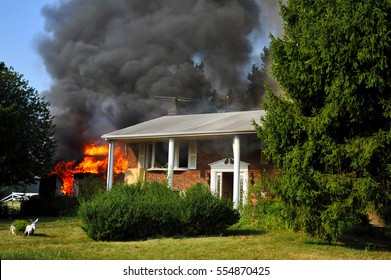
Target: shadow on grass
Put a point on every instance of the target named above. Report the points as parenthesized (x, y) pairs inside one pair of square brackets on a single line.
[(363, 239), (243, 232), (368, 239), (226, 233), (40, 235)]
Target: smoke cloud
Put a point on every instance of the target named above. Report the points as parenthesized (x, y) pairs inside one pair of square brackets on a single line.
[(110, 59)]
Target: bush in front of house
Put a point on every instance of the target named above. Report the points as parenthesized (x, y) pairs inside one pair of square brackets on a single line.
[(151, 210), (107, 216), (88, 187), (63, 206), (204, 213), (263, 211), (265, 214), (160, 212), (131, 212)]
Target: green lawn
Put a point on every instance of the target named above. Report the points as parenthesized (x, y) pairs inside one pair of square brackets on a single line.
[(64, 239)]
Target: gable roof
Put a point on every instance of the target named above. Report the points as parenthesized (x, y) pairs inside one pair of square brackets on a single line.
[(190, 126)]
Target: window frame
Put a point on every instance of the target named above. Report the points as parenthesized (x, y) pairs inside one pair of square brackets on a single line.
[(147, 156)]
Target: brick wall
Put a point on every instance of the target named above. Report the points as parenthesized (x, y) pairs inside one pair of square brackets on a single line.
[(182, 179)]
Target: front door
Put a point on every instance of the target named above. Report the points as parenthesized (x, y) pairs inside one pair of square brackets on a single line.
[(222, 178), (227, 187)]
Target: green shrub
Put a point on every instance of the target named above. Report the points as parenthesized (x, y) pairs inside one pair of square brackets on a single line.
[(53, 207), (142, 211), (204, 213), (263, 211), (107, 216), (20, 226), (89, 187), (131, 212), (160, 211)]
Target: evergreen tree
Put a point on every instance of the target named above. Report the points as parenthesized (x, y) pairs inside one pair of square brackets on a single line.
[(328, 131), (26, 130)]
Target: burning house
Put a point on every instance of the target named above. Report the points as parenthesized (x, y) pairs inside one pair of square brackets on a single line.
[(110, 59), (217, 149), (93, 164)]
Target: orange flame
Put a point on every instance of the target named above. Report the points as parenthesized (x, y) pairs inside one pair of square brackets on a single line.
[(93, 150), (64, 171), (95, 161)]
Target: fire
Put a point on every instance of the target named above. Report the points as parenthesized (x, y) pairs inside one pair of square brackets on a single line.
[(93, 150), (64, 171), (91, 165), (95, 161)]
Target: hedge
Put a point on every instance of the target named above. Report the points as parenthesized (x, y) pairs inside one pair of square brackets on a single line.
[(148, 210)]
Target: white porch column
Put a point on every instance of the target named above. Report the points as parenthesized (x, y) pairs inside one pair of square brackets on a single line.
[(110, 166), (236, 183), (171, 157)]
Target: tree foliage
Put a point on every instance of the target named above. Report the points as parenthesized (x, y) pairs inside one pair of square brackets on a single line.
[(26, 130), (257, 78), (328, 131)]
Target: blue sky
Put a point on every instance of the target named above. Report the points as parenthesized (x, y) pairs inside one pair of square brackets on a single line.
[(21, 23)]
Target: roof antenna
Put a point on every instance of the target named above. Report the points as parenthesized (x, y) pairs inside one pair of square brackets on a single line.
[(175, 100)]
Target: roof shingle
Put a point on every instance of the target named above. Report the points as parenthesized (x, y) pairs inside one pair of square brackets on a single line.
[(196, 125)]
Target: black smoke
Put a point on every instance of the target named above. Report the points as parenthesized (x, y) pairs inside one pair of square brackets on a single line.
[(110, 59)]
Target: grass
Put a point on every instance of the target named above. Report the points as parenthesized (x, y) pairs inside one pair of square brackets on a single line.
[(63, 239)]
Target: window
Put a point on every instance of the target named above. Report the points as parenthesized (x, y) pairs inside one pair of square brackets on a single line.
[(185, 155), (155, 155), (141, 156), (192, 161), (161, 155), (149, 156), (182, 155)]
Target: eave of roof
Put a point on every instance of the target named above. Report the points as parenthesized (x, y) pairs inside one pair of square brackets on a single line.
[(190, 126)]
